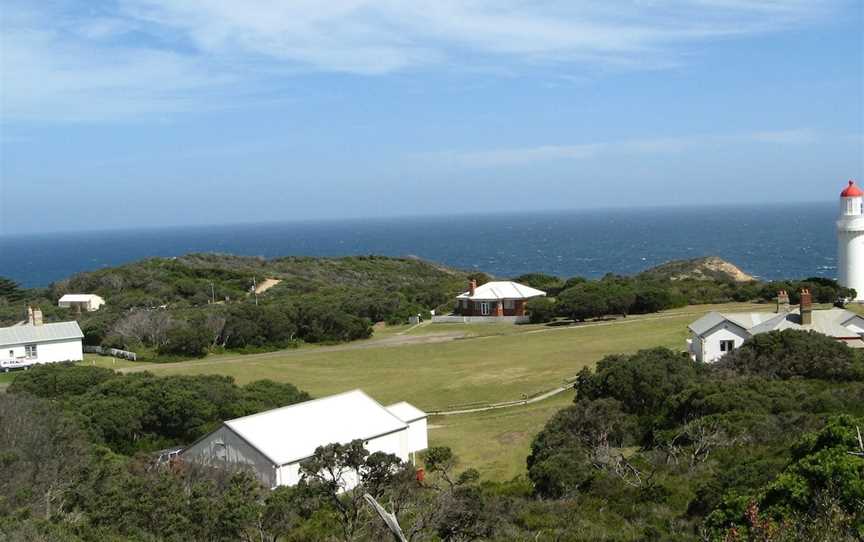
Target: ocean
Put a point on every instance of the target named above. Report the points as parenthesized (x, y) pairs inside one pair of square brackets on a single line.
[(779, 241)]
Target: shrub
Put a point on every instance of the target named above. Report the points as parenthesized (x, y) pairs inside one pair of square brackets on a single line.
[(541, 310), (794, 353)]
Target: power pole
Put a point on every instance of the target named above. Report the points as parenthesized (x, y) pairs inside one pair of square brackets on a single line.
[(255, 290), (213, 293)]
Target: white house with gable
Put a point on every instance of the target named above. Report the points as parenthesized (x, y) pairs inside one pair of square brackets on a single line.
[(87, 302), (274, 443), (36, 342), (716, 334)]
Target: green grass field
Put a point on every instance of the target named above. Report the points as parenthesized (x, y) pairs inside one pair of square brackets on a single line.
[(495, 442), (491, 363)]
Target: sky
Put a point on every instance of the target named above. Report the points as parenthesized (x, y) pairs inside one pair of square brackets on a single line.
[(150, 113)]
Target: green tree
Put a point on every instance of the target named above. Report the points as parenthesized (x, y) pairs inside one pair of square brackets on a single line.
[(541, 310)]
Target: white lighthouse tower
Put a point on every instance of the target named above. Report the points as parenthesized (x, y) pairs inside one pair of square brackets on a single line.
[(850, 236)]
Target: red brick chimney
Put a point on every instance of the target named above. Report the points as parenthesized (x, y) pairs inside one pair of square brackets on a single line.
[(782, 301), (472, 287), (806, 307)]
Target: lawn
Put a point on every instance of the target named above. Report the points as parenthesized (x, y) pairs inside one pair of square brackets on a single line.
[(491, 363), (484, 367), (495, 442)]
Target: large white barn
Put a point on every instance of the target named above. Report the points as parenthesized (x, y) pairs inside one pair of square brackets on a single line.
[(35, 342), (275, 442)]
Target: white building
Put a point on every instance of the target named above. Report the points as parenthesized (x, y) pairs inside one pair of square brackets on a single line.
[(275, 442), (35, 342), (417, 432), (850, 238), (716, 334), (86, 302)]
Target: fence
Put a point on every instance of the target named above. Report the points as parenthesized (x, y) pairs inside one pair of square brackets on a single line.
[(453, 319), (124, 354)]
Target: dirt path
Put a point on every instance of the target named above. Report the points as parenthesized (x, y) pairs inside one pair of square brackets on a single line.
[(387, 342), (505, 404), (265, 285)]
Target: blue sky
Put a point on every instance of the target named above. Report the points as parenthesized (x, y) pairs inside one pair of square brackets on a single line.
[(135, 113)]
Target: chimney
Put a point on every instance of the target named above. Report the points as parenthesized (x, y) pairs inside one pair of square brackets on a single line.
[(806, 307), (472, 287), (37, 316), (30, 319), (782, 301)]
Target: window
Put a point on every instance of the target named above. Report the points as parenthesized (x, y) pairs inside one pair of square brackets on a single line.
[(484, 308), (727, 346), (508, 303), (30, 351)]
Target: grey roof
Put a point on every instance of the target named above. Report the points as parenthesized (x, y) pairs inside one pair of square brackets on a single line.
[(831, 322), (34, 334), (710, 321)]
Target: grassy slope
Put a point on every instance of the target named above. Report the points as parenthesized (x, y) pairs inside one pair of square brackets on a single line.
[(498, 363), (495, 442)]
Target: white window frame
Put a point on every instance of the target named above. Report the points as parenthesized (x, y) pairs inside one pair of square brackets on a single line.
[(485, 308), (727, 345), (31, 351)]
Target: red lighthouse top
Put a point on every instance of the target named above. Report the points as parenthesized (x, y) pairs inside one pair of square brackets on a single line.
[(852, 191)]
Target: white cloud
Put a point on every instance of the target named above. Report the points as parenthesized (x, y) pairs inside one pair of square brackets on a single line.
[(492, 158), (133, 58)]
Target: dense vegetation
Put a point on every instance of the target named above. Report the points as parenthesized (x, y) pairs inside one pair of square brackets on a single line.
[(171, 308), (654, 447), (187, 306), (613, 295), (671, 450)]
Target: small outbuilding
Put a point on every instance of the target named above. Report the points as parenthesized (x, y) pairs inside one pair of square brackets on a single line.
[(274, 443), (36, 342), (417, 432), (82, 302)]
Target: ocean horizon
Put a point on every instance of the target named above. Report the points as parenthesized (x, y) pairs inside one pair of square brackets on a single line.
[(768, 241)]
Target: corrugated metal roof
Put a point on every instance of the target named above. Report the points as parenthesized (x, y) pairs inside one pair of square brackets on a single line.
[(406, 412), (502, 290), (34, 334), (707, 322), (292, 433), (831, 322)]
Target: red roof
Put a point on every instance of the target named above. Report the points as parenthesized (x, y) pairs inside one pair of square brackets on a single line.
[(852, 191)]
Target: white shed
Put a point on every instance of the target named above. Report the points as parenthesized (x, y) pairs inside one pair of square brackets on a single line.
[(275, 442), (87, 302), (418, 438), (25, 345)]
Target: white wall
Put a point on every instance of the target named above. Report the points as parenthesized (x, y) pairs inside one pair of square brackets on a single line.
[(395, 443), (48, 351), (707, 347), (417, 436), (851, 261)]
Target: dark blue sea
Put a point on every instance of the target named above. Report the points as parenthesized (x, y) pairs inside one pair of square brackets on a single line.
[(782, 241)]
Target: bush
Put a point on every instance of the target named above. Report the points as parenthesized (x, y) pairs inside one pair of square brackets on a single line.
[(187, 341), (541, 310), (793, 353)]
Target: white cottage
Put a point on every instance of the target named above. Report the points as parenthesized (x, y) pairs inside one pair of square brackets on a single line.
[(716, 334), (87, 302), (35, 342), (275, 442)]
